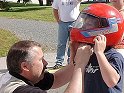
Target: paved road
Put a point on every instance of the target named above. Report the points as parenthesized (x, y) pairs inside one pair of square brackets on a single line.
[(42, 32)]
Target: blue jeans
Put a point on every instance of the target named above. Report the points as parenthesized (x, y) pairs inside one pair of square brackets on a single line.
[(63, 37)]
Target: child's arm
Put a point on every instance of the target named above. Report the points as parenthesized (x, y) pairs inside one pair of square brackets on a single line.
[(109, 74)]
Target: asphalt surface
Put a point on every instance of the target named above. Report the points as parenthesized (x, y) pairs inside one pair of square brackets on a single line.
[(42, 32)]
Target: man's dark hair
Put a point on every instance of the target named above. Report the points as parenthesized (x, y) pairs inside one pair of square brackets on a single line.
[(18, 53)]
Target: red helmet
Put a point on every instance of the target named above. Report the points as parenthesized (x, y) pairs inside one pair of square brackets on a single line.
[(98, 19)]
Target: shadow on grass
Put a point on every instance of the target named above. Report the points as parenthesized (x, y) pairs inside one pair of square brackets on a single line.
[(23, 9), (20, 7)]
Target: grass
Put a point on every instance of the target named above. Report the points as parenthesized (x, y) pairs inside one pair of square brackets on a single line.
[(7, 39), (34, 12), (31, 12)]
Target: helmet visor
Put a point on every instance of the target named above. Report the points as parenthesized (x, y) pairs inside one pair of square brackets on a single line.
[(90, 22)]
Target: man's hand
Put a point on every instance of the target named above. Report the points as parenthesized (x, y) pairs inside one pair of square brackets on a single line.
[(83, 54), (73, 50)]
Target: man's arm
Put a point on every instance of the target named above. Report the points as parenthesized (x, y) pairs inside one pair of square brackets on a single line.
[(74, 74), (76, 84), (60, 75), (56, 14), (119, 5), (79, 0)]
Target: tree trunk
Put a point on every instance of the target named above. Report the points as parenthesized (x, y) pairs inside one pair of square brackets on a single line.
[(41, 2)]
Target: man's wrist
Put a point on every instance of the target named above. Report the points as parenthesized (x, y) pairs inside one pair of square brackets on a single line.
[(113, 0), (74, 63), (121, 10)]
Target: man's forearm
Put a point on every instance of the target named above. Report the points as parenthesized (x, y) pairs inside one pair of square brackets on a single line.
[(77, 82), (56, 15), (118, 4), (63, 76)]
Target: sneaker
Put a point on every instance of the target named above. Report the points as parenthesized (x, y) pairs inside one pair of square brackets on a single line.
[(57, 66)]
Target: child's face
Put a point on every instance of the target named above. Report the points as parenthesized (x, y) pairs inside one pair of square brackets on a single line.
[(90, 23)]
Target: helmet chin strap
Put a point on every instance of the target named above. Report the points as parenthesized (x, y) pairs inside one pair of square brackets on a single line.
[(92, 45)]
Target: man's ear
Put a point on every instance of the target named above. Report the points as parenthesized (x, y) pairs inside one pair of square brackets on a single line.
[(25, 66)]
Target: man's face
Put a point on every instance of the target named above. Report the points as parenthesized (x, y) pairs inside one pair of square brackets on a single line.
[(38, 64)]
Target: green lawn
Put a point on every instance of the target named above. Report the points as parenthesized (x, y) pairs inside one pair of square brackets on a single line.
[(6, 40), (34, 12), (30, 12)]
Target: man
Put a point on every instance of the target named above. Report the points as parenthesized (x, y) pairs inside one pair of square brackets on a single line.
[(65, 12), (26, 71)]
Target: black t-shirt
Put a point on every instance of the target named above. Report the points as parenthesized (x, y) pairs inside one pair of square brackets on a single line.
[(45, 84), (93, 78)]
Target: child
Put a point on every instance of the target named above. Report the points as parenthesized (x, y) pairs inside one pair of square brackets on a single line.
[(104, 71)]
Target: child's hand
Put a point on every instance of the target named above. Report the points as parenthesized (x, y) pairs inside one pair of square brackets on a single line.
[(100, 44)]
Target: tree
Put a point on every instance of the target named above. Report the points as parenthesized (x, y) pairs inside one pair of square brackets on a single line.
[(41, 2)]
